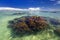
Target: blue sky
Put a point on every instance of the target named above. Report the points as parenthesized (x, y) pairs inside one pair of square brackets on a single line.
[(44, 4)]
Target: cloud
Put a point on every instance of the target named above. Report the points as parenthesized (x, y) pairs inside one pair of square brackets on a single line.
[(19, 9), (58, 2), (33, 9), (9, 8), (28, 9)]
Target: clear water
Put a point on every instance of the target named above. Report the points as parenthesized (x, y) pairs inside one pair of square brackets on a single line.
[(5, 33)]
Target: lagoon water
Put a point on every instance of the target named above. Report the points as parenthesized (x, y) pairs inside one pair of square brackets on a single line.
[(46, 35)]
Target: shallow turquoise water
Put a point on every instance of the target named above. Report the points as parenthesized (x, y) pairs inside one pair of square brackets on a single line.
[(5, 33), (47, 14)]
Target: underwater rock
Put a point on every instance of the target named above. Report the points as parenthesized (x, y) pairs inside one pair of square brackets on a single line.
[(54, 21), (20, 13), (57, 31), (28, 24)]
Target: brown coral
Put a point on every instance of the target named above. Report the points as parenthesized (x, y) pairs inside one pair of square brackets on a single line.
[(28, 24)]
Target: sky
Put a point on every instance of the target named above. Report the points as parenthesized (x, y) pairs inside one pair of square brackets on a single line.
[(44, 4)]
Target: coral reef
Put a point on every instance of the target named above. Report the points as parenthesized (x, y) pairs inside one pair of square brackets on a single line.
[(28, 24)]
